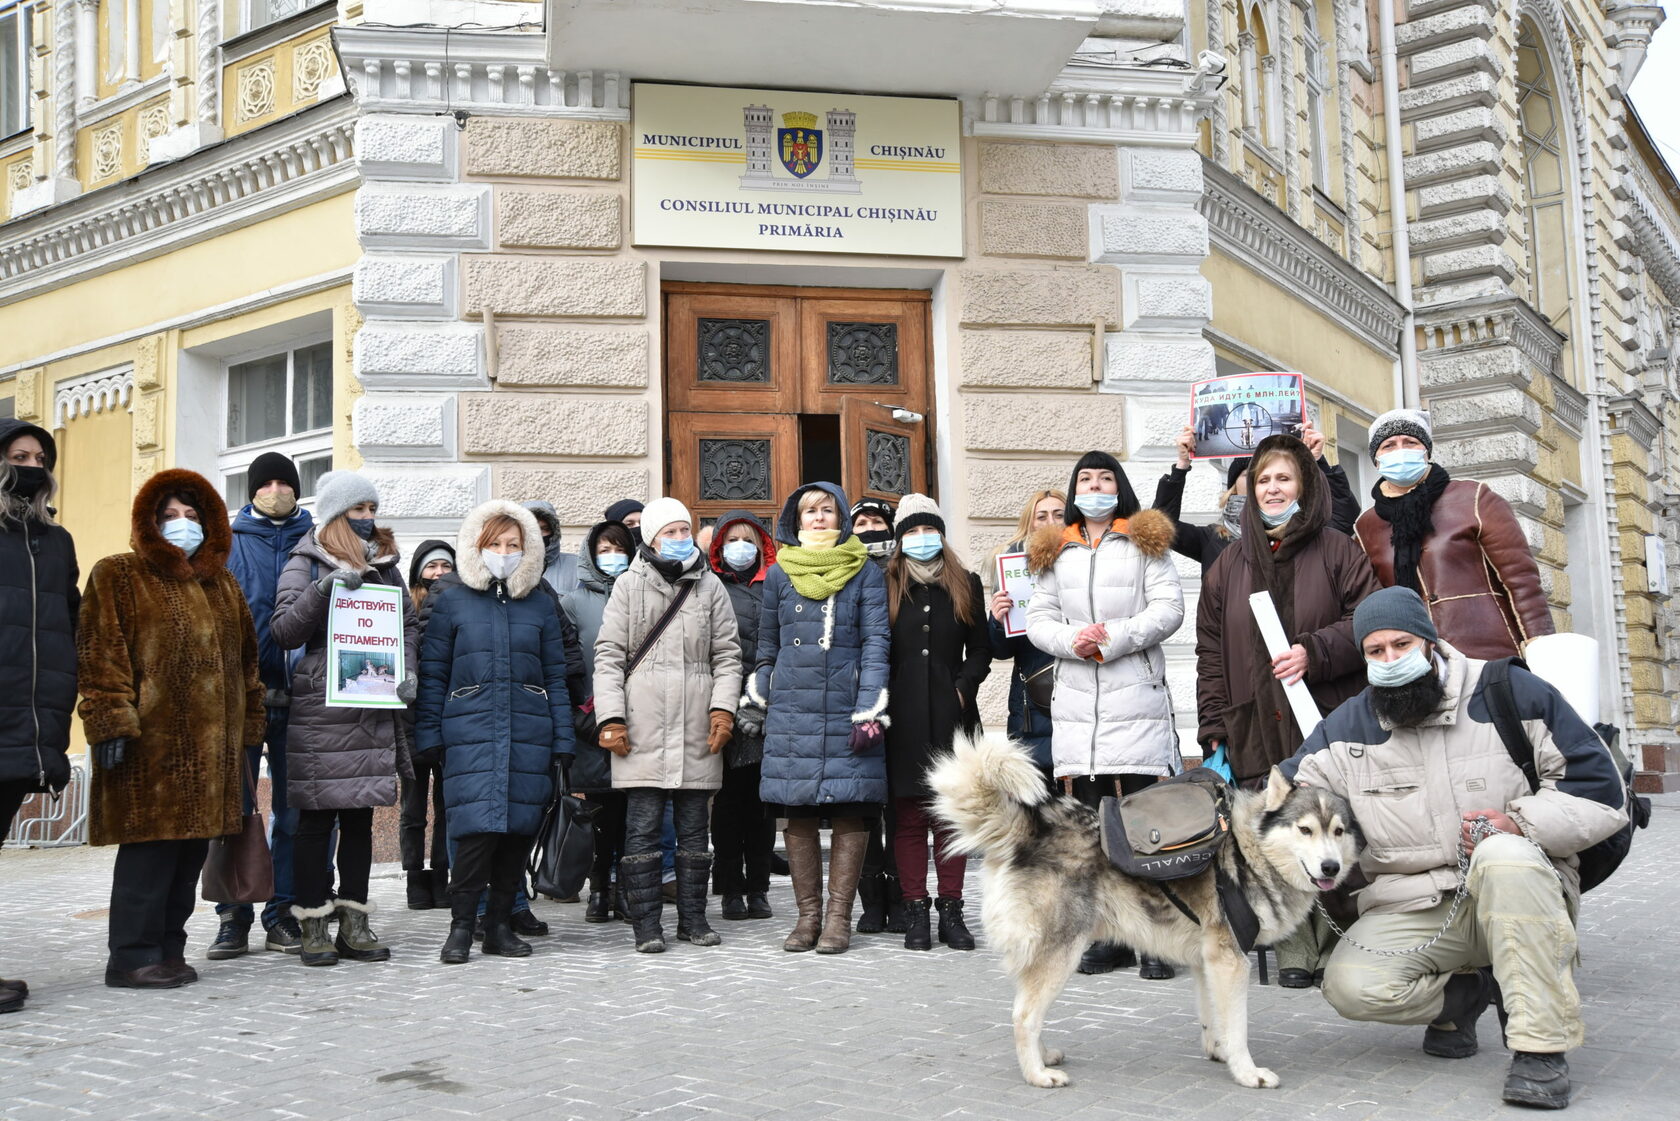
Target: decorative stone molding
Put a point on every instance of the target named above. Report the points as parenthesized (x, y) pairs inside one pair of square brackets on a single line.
[(312, 65), (1506, 320), (288, 164), (1632, 26), (1654, 240), (92, 393), (1631, 416), (475, 72), (254, 87), (1246, 228), (64, 90), (1122, 105), (107, 152), (152, 123), (1569, 405), (208, 87)]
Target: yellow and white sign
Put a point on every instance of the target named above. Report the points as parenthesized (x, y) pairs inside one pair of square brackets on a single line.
[(813, 172)]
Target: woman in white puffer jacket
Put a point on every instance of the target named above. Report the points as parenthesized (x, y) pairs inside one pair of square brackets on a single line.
[(1108, 596)]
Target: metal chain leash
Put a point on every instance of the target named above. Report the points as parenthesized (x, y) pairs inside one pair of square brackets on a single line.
[(1480, 829)]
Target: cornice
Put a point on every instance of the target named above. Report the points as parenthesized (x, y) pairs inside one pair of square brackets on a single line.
[(1254, 232), (1631, 415), (285, 165), (93, 393), (1654, 240), (1090, 103), (1499, 318), (410, 70)]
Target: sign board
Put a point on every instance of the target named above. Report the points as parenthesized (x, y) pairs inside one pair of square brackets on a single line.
[(813, 172), (1232, 414), (365, 647), (1656, 564), (1301, 703), (1015, 578)]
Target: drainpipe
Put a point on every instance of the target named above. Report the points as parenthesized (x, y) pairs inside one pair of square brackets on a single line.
[(1406, 392)]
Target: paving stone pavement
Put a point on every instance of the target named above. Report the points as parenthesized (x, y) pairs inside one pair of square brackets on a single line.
[(588, 1029)]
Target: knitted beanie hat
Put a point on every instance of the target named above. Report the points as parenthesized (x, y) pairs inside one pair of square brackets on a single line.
[(1402, 422), (1393, 609), (338, 491), (661, 512), (271, 467), (880, 507), (917, 510)]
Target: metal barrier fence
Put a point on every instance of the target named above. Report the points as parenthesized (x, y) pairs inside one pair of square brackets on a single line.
[(42, 822)]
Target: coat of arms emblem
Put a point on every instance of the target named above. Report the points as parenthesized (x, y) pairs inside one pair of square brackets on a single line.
[(800, 143), (801, 148)]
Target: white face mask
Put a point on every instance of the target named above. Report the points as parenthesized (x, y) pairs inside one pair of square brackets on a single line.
[(501, 565)]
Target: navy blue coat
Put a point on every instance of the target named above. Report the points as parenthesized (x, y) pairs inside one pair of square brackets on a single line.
[(493, 698), (1029, 725), (260, 552), (815, 689)]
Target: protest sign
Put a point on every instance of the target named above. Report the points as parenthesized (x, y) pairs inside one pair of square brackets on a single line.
[(1015, 579), (1232, 414), (365, 647)]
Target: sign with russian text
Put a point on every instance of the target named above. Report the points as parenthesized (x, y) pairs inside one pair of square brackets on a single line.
[(1016, 579), (812, 172), (1232, 414), (365, 647)]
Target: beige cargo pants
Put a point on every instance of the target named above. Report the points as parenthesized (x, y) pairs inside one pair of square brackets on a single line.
[(1515, 919)]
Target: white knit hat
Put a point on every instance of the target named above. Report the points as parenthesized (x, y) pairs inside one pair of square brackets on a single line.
[(661, 512), (917, 510), (1402, 422)]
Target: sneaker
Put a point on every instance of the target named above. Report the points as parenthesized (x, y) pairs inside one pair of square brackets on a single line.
[(232, 940), (285, 936)]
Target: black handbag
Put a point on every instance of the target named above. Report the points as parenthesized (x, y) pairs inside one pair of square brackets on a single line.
[(565, 849), (1040, 686)]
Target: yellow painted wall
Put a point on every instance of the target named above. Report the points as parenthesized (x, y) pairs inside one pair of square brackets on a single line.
[(1269, 319), (94, 483), (276, 82)]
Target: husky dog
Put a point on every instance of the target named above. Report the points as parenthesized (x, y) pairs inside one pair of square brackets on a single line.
[(1051, 891)]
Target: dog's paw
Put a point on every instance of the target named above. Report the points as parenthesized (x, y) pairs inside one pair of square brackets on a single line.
[(1256, 1078), (1048, 1079), (1053, 1057)]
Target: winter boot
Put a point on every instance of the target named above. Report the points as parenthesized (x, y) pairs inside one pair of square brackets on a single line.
[(805, 866), (872, 890), (1466, 997), (639, 883), (317, 947), (693, 870), (463, 910), (758, 905), (499, 938), (420, 896), (1154, 969), (845, 865), (1106, 957), (441, 899), (11, 1000), (285, 936), (1538, 1080), (526, 923), (898, 922), (917, 936), (952, 930), (733, 907), (232, 939), (598, 909), (356, 940)]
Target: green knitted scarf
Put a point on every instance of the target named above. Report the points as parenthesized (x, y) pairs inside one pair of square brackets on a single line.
[(819, 573)]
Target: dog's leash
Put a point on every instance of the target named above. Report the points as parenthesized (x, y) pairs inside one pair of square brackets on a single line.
[(1480, 829)]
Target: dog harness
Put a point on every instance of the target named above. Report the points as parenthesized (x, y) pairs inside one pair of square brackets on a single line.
[(1233, 900)]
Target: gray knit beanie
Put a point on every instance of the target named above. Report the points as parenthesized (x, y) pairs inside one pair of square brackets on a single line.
[(338, 491), (1393, 609), (1402, 422)]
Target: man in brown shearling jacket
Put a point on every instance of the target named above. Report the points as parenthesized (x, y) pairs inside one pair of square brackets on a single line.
[(1419, 759)]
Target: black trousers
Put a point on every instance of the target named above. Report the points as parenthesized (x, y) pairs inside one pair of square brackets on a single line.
[(742, 834), (12, 796), (424, 790), (645, 819), (154, 886), (493, 860), (609, 836), (1092, 790), (879, 857), (312, 859)]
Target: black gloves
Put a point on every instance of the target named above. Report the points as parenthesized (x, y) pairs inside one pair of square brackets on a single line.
[(108, 753)]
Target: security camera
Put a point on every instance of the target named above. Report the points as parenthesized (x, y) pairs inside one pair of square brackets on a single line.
[(1211, 61), (905, 416)]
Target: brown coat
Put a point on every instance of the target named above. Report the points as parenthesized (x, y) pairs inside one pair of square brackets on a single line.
[(1319, 576), (167, 659), (1478, 576)]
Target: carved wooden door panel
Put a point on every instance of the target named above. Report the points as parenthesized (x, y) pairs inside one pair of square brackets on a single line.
[(733, 461), (883, 457)]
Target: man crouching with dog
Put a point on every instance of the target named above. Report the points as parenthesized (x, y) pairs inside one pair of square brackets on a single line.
[(1428, 776)]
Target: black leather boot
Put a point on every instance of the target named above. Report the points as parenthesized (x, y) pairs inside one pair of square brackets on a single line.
[(693, 871), (499, 938), (897, 922), (420, 896), (598, 909), (1106, 957), (526, 923), (872, 892), (440, 888), (1540, 1081), (638, 879), (917, 936), (1154, 969), (1453, 1034), (463, 911), (952, 930), (758, 905)]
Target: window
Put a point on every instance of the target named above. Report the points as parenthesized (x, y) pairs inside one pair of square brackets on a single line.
[(279, 401), (15, 44), (1546, 187), (1318, 134), (261, 13), (1261, 99)]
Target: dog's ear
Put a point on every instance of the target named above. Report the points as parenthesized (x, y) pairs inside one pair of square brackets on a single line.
[(1277, 791)]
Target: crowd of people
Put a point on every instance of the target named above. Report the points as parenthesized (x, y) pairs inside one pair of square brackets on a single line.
[(704, 686)]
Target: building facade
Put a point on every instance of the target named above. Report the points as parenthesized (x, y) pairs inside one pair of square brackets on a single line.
[(470, 265)]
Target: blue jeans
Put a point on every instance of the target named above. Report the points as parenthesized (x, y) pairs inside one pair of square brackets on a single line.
[(521, 901), (282, 825)]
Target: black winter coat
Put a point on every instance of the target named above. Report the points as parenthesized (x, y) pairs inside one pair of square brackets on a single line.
[(746, 596), (938, 664), (38, 607)]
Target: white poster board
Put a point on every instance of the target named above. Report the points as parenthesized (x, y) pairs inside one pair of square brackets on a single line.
[(365, 659), (1016, 579), (1301, 702)]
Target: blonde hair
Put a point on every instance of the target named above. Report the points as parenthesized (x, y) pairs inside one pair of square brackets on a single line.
[(340, 542), (1024, 528), (815, 497)]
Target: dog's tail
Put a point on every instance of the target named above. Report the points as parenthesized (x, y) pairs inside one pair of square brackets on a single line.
[(985, 791)]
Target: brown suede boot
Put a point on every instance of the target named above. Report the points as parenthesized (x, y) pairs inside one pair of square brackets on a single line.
[(804, 852), (845, 866)]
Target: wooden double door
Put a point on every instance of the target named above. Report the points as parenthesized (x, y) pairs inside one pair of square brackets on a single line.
[(769, 388)]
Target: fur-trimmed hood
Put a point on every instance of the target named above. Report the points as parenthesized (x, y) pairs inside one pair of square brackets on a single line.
[(1151, 530), (469, 565), (166, 559)]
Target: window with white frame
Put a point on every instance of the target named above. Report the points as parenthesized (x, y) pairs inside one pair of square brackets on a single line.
[(1318, 91), (15, 44), (278, 400), (261, 13)]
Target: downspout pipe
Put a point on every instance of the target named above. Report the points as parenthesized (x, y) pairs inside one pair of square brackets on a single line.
[(1406, 391)]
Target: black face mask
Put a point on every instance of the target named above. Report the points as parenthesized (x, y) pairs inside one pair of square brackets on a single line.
[(879, 542), (361, 527), (27, 482)]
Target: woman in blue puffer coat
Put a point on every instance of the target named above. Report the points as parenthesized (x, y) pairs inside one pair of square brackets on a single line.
[(821, 677), (493, 705)]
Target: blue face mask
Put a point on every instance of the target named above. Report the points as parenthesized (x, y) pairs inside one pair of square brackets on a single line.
[(922, 546), (612, 564), (1403, 467), (185, 534), (1096, 505), (676, 548), (739, 554), (361, 527), (1283, 515), (1404, 670)]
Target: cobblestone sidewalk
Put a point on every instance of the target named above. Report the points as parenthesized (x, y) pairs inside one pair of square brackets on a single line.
[(588, 1029)]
